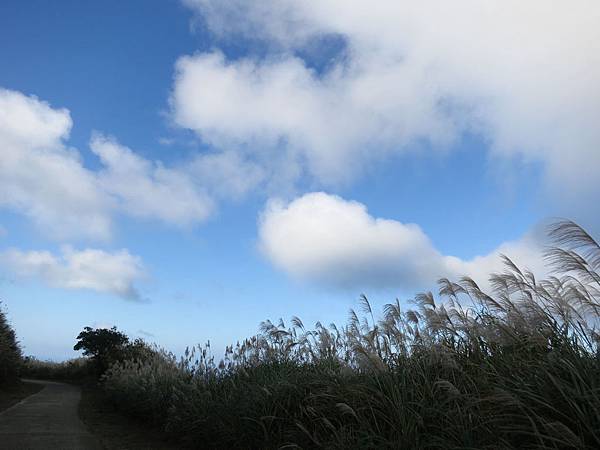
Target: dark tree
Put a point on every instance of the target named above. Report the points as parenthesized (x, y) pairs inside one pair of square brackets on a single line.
[(10, 352), (103, 345)]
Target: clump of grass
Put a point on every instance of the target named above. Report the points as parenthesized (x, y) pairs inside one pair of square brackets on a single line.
[(144, 388), (516, 367)]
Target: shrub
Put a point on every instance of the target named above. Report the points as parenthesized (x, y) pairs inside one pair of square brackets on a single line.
[(103, 345)]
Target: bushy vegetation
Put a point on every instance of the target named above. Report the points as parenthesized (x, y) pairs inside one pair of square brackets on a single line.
[(10, 352), (104, 346), (516, 367), (101, 347), (77, 369)]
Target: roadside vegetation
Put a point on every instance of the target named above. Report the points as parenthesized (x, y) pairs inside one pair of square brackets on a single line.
[(516, 366), (12, 390), (76, 370), (10, 351)]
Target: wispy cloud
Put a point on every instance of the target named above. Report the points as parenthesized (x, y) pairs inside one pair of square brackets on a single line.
[(149, 190), (91, 269), (146, 333), (44, 179)]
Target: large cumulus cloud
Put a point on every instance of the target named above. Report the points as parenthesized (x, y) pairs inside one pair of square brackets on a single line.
[(327, 240)]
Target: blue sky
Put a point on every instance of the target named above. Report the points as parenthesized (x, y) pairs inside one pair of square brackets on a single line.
[(184, 170)]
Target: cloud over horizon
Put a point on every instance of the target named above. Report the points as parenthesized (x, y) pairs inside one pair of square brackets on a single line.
[(324, 239)]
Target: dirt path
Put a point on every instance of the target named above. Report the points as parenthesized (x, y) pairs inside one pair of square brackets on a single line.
[(46, 420)]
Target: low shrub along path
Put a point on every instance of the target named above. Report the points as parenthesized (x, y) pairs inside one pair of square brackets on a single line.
[(46, 420)]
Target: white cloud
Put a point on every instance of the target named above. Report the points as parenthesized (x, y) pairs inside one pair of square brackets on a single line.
[(146, 189), (524, 74), (227, 174), (46, 181), (42, 178), (325, 239), (97, 270)]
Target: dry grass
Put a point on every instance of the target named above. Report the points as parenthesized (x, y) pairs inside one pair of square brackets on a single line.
[(517, 367)]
